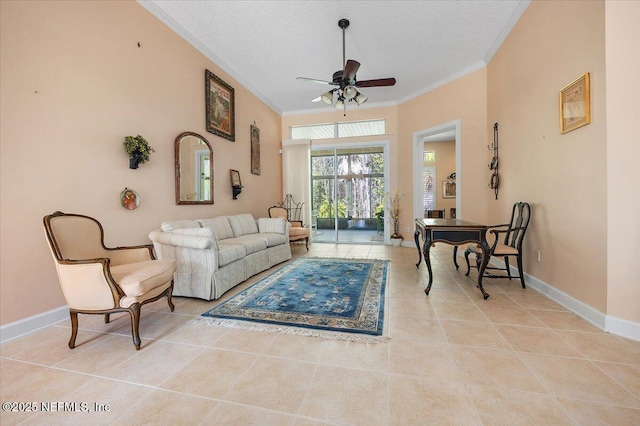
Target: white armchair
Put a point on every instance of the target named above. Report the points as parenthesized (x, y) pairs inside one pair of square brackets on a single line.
[(96, 279)]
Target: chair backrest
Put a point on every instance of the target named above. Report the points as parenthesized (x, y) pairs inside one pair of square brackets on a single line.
[(294, 209), (520, 215), (435, 214), (73, 236), (276, 211)]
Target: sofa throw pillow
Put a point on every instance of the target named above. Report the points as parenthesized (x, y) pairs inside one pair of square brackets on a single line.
[(243, 224), (276, 225), (170, 225), (219, 225)]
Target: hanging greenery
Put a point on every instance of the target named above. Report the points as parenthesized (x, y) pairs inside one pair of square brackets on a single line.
[(137, 146)]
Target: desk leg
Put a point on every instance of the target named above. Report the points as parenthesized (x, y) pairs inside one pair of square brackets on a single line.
[(416, 236), (427, 260), (455, 257), (485, 261)]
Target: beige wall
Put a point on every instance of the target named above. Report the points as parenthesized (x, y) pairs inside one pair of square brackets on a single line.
[(464, 99), (623, 151), (563, 176), (74, 84)]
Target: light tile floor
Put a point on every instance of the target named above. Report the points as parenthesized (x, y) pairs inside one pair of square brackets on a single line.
[(452, 358)]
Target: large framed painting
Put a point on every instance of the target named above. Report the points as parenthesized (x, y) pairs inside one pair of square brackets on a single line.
[(255, 150), (220, 107), (575, 108)]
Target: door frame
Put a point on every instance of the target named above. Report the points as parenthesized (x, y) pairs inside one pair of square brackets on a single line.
[(418, 164)]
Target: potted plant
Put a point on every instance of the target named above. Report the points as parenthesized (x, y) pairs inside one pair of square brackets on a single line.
[(138, 149), (379, 214), (393, 207)]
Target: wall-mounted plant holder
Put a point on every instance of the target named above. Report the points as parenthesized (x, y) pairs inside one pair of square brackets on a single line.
[(138, 149), (494, 183)]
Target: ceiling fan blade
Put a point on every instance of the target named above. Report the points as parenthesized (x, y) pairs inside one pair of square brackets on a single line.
[(313, 80), (376, 83), (350, 70)]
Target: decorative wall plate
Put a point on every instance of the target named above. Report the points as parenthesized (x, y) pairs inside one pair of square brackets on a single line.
[(129, 199)]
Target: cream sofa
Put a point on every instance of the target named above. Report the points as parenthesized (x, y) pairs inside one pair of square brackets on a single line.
[(214, 255)]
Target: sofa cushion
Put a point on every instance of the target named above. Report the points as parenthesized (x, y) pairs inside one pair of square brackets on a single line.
[(138, 278), (277, 225), (219, 225), (274, 239), (252, 243), (228, 252), (243, 224), (170, 225)]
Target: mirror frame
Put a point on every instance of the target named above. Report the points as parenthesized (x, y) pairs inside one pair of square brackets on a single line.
[(177, 168)]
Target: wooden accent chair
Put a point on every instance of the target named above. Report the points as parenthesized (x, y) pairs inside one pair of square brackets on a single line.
[(297, 232), (99, 280), (435, 214), (510, 245)]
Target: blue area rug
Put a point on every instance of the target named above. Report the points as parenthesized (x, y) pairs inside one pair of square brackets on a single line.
[(320, 293)]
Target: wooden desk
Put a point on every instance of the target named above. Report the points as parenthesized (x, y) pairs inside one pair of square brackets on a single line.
[(454, 232)]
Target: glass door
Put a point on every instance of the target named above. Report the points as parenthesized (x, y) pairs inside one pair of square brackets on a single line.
[(348, 194)]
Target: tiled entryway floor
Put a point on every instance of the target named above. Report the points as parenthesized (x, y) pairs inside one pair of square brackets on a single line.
[(452, 358)]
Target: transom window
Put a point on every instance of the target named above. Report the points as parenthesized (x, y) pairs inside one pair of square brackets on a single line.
[(429, 156), (339, 130)]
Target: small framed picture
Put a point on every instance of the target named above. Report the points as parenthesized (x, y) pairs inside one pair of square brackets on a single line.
[(235, 178), (220, 101), (575, 108), (449, 189)]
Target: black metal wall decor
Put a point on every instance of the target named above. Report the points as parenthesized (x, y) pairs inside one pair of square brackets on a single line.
[(236, 183), (494, 183)]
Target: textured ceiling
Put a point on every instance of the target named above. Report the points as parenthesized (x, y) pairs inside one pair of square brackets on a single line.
[(265, 45)]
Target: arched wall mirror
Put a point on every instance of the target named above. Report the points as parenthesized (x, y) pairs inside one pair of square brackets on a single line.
[(194, 169)]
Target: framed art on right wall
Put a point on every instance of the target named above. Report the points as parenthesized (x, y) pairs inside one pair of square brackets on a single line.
[(575, 105)]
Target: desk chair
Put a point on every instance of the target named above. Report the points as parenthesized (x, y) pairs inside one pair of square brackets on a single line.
[(435, 214), (509, 246)]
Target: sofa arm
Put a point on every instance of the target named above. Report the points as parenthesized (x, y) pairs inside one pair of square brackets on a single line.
[(183, 240), (273, 225)]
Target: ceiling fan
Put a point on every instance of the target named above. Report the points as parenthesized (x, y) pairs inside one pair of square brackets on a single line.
[(345, 80)]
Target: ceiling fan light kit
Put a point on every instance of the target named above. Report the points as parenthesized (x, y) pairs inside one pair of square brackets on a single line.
[(346, 81), (327, 98)]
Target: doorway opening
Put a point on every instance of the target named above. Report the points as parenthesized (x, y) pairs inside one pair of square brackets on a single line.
[(447, 131)]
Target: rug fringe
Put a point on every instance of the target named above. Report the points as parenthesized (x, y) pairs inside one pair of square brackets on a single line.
[(245, 325)]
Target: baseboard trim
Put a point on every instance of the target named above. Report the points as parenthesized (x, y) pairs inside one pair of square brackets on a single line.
[(578, 307), (622, 327), (28, 325), (617, 326), (613, 325)]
